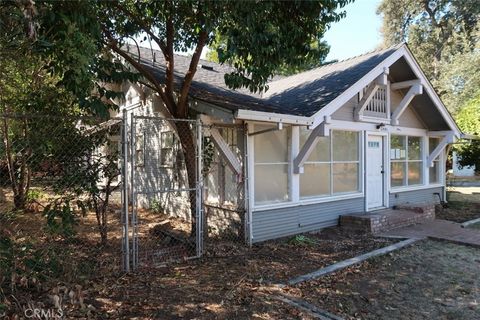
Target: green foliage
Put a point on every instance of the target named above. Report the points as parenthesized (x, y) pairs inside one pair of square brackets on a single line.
[(255, 38), (208, 154), (314, 58), (468, 120), (443, 35), (61, 218), (302, 240), (156, 206)]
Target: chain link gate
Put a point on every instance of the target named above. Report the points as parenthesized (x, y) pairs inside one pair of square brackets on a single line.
[(166, 216), (163, 196)]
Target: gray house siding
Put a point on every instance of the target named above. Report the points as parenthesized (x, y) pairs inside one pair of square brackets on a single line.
[(416, 197), (275, 223)]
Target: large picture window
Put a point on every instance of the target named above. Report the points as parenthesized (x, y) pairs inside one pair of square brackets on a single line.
[(406, 155), (434, 172), (333, 166), (271, 165)]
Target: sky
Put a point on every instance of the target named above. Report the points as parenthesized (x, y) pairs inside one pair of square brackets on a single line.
[(357, 33)]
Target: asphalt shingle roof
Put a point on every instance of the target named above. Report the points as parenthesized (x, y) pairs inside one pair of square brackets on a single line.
[(302, 94)]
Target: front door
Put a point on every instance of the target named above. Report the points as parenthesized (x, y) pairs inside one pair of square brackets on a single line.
[(375, 172)]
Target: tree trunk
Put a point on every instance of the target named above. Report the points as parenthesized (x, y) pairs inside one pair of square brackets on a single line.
[(187, 141), (20, 184)]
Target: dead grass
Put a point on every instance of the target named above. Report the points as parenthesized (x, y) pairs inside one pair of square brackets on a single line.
[(463, 204), (430, 280)]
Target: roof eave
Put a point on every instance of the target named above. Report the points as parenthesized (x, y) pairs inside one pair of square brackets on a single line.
[(251, 115)]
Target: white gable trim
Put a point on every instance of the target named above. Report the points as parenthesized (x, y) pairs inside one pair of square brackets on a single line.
[(431, 92), (343, 98), (402, 51), (339, 101)]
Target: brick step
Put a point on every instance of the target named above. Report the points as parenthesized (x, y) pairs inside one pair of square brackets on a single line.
[(388, 219)]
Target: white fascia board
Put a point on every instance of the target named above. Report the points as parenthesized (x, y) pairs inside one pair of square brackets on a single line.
[(339, 101), (372, 128), (242, 114), (431, 92)]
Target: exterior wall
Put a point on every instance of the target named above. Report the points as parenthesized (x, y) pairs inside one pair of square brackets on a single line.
[(271, 224), (346, 111), (408, 118), (415, 197), (153, 171)]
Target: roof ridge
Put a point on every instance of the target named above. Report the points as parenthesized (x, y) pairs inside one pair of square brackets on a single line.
[(364, 54)]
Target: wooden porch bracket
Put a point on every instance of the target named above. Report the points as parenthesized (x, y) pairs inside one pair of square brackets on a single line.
[(319, 131), (225, 152), (414, 90), (448, 139), (404, 84)]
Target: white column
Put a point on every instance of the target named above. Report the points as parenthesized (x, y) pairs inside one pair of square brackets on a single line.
[(294, 177)]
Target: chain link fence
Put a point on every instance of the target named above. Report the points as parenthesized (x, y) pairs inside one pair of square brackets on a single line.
[(60, 207), (187, 199), (81, 197)]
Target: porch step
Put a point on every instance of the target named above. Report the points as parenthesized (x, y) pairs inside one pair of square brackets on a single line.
[(388, 219)]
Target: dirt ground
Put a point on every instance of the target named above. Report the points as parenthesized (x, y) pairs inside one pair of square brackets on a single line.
[(429, 280), (231, 281), (463, 204)]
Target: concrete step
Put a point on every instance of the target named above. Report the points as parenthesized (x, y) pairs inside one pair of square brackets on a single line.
[(388, 219)]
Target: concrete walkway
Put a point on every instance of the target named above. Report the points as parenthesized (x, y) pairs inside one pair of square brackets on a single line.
[(438, 229)]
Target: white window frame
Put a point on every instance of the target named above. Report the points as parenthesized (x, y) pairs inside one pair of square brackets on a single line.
[(331, 164), (294, 179), (422, 161), (253, 164), (440, 160)]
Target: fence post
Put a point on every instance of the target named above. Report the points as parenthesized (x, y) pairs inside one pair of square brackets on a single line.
[(199, 189), (246, 191), (126, 240), (133, 151)]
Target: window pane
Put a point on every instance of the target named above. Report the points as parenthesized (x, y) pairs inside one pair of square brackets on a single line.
[(397, 146), (345, 177), (398, 174), (415, 173), (345, 145), (315, 181), (271, 183), (434, 175), (271, 146), (432, 144), (414, 148), (322, 149)]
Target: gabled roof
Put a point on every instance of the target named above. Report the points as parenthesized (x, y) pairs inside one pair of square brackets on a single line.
[(302, 94), (307, 92), (305, 98)]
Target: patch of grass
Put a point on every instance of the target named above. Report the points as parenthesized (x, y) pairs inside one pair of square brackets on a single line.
[(302, 240)]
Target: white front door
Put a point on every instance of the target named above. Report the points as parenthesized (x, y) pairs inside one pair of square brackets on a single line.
[(375, 172)]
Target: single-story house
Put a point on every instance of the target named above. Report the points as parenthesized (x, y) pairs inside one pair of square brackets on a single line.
[(353, 136)]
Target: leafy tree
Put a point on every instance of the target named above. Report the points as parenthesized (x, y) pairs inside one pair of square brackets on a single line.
[(469, 121), (259, 37), (434, 29), (314, 58)]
